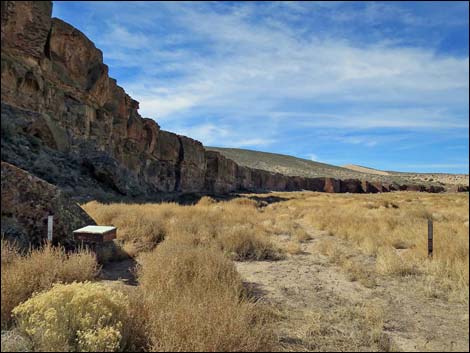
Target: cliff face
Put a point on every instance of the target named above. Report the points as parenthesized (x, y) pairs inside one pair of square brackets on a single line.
[(65, 120)]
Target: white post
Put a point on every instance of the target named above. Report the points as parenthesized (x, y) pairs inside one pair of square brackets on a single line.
[(50, 220)]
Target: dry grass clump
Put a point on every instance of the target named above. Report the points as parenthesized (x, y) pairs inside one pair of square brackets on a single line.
[(38, 270), (343, 258), (81, 317), (195, 301), (242, 244), (389, 262), (348, 327), (206, 201), (300, 234), (234, 226), (243, 201), (293, 248)]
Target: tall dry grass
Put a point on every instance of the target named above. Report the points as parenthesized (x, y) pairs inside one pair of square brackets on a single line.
[(234, 226), (195, 301), (38, 270), (393, 228)]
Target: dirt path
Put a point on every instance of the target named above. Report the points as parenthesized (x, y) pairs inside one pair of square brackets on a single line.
[(324, 310), (119, 271)]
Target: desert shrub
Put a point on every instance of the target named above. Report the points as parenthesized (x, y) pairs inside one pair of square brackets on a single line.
[(243, 201), (84, 317), (195, 301), (38, 270), (206, 201), (243, 243), (10, 252)]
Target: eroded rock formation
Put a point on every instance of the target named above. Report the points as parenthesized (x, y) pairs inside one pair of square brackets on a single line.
[(65, 120), (27, 201)]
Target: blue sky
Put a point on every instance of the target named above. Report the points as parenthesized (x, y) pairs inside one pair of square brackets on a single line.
[(381, 84)]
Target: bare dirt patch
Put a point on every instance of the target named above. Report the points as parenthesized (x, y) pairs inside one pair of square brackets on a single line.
[(122, 271), (325, 308)]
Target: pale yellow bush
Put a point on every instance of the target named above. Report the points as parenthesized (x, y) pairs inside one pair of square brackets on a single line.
[(84, 317), (38, 270)]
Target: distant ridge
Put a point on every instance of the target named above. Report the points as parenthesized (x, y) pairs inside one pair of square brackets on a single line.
[(295, 166), (362, 169), (285, 164)]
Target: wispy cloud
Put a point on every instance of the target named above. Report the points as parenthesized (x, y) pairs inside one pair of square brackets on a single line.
[(312, 157)]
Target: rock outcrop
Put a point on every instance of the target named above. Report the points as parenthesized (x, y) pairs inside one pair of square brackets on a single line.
[(27, 201), (65, 120)]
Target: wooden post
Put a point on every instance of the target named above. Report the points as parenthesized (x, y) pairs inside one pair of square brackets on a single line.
[(430, 237), (50, 220)]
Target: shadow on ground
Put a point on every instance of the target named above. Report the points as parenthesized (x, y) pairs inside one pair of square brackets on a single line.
[(123, 271), (254, 290), (186, 198)]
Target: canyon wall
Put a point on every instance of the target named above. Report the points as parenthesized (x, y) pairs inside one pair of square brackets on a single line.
[(66, 121)]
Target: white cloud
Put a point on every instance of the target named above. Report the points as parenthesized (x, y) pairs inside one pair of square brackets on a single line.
[(212, 135), (206, 133), (123, 38), (312, 157), (253, 142)]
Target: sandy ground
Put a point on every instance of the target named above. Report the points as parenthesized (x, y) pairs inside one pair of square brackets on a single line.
[(307, 284)]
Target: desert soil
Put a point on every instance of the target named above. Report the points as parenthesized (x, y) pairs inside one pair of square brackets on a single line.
[(307, 285)]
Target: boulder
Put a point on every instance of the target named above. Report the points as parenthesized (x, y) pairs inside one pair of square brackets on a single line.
[(27, 201)]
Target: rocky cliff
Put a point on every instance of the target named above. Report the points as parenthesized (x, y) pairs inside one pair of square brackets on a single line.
[(66, 121)]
